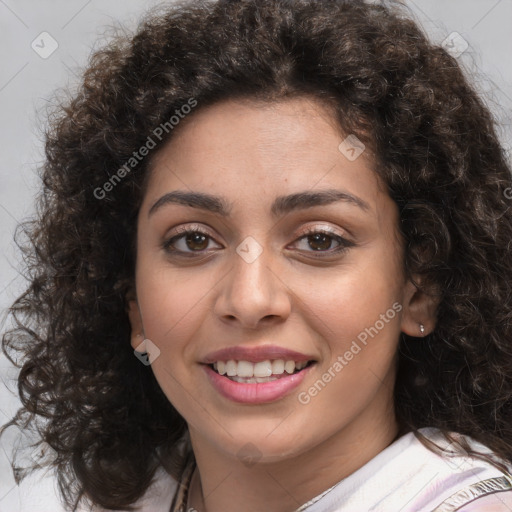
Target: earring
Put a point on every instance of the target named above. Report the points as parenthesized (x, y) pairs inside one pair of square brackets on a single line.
[(422, 329)]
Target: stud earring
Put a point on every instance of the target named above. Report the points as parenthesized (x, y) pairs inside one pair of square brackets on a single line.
[(422, 329)]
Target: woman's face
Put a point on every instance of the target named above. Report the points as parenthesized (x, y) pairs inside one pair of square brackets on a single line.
[(294, 255)]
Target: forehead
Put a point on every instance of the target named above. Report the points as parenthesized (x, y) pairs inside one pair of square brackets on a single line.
[(253, 149)]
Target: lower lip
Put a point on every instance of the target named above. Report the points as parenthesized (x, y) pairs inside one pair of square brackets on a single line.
[(255, 393)]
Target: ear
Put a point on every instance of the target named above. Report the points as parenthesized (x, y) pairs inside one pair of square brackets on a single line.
[(419, 308), (137, 334)]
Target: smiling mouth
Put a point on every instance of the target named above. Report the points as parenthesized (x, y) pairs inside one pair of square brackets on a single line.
[(256, 373)]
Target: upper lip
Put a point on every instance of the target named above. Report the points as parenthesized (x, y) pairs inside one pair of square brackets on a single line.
[(255, 354)]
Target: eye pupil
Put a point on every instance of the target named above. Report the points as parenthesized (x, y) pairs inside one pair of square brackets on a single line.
[(322, 238), (196, 238)]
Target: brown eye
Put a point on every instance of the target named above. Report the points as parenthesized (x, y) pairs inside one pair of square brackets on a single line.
[(320, 241), (323, 242), (188, 243), (196, 241)]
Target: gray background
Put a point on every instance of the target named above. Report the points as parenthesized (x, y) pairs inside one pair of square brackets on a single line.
[(27, 81)]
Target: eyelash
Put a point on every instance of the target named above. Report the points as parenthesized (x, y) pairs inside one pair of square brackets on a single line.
[(344, 244)]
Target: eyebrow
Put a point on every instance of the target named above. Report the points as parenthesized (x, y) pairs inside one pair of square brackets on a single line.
[(281, 205)]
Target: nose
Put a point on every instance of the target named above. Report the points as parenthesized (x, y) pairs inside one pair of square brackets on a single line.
[(253, 295)]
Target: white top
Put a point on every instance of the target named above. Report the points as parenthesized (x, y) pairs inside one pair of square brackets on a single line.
[(404, 477)]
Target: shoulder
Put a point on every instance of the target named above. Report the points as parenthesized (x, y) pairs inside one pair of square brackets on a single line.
[(466, 483), (492, 495), (412, 477), (496, 502)]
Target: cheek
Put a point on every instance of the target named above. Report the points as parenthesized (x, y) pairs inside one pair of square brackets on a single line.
[(173, 310), (356, 317), (356, 320), (172, 303), (343, 303)]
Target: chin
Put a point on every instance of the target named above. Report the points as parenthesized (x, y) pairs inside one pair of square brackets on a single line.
[(263, 443)]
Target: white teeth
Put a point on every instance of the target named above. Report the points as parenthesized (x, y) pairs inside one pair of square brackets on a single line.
[(278, 367), (262, 370), (231, 368), (289, 366), (254, 380), (220, 366), (246, 369)]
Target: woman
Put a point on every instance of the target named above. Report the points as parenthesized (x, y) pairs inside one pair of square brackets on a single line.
[(296, 213)]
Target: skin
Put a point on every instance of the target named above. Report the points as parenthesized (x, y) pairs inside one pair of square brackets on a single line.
[(250, 153), (498, 502)]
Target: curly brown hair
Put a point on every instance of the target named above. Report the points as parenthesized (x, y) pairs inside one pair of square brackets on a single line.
[(102, 412)]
